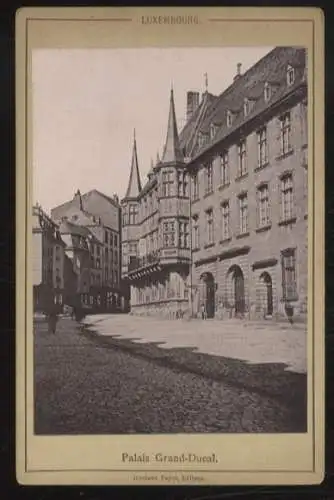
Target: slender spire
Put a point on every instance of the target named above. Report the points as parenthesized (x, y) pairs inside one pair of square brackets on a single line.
[(158, 158), (172, 151), (151, 171), (206, 81), (134, 186)]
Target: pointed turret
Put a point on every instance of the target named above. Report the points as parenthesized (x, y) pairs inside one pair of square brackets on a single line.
[(172, 151), (134, 186), (151, 171)]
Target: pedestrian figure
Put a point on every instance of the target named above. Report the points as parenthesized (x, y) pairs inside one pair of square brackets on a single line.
[(204, 313), (52, 322)]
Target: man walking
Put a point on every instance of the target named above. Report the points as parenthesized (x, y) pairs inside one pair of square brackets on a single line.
[(52, 322)]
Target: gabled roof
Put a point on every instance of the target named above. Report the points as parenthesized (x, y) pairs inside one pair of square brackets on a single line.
[(272, 69), (134, 185), (172, 150)]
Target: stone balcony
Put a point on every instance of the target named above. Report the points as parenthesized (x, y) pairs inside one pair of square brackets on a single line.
[(155, 262)]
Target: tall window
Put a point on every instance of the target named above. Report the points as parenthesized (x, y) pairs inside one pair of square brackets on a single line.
[(304, 124), (209, 178), (195, 233), (183, 235), (133, 214), (285, 123), (242, 167), (243, 213), (289, 281), (167, 183), (182, 182), (133, 248), (287, 205), (210, 228), (225, 209), (169, 234), (262, 157), (124, 217), (224, 169), (263, 205), (195, 191), (57, 254)]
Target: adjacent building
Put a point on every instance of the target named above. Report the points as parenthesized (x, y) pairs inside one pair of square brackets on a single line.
[(48, 262), (90, 226), (221, 223)]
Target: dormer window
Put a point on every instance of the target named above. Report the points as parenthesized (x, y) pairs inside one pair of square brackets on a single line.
[(202, 139), (246, 106), (229, 118), (213, 130), (290, 75), (267, 92)]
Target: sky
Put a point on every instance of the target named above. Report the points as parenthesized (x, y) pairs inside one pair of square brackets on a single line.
[(87, 103)]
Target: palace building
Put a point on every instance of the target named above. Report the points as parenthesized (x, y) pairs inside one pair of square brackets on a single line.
[(156, 252), (249, 194), (221, 223)]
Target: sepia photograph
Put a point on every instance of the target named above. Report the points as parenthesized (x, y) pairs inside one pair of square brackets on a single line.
[(170, 236), (170, 240)]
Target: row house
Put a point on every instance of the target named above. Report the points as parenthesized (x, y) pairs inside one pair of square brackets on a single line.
[(98, 217), (48, 262)]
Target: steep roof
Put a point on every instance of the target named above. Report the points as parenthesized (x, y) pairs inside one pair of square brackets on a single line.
[(67, 227), (189, 131), (134, 185), (172, 150), (84, 197), (272, 69)]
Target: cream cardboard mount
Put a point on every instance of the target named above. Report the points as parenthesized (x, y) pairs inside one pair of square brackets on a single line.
[(183, 454)]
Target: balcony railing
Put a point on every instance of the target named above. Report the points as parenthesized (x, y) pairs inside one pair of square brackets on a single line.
[(139, 262)]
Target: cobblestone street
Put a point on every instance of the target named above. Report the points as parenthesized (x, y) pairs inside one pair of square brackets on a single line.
[(83, 386)]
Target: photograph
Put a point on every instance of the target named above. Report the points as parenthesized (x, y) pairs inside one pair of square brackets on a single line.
[(170, 240), (170, 246)]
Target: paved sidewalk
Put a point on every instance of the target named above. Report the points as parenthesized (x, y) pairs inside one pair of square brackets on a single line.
[(252, 343)]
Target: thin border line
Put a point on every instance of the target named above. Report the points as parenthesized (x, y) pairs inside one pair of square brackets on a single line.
[(88, 20), (26, 263), (313, 244), (26, 242)]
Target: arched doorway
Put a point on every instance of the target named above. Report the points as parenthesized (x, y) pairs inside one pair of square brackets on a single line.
[(237, 283), (266, 280), (239, 291), (209, 294)]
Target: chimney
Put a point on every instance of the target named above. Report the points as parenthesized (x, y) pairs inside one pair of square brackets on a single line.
[(192, 103), (78, 199), (238, 72)]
